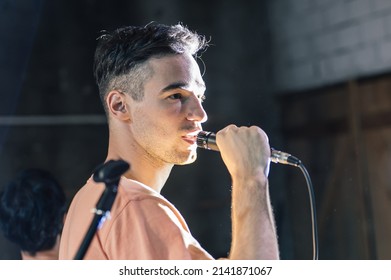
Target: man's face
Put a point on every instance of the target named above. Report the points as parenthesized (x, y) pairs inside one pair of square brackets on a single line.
[(165, 123)]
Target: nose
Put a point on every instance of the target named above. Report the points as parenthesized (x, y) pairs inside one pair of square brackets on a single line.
[(195, 111)]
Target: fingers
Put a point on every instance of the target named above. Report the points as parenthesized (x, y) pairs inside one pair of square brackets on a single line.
[(245, 150)]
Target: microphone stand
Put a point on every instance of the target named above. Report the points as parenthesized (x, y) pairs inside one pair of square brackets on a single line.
[(110, 174)]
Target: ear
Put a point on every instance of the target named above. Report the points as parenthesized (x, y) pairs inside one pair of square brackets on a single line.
[(117, 106)]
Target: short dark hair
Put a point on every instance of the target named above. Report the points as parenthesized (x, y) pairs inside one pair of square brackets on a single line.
[(127, 48), (32, 209)]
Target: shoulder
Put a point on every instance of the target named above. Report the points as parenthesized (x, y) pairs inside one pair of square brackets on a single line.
[(138, 203)]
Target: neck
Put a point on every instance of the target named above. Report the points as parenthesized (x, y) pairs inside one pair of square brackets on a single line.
[(143, 167)]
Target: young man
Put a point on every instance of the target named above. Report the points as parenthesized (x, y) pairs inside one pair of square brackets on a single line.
[(32, 209), (152, 91)]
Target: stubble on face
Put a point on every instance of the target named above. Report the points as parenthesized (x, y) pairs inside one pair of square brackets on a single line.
[(162, 143), (155, 128)]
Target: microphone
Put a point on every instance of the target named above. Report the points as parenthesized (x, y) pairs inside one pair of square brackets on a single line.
[(207, 140)]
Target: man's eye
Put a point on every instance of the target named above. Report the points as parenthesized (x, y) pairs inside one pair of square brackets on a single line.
[(175, 96)]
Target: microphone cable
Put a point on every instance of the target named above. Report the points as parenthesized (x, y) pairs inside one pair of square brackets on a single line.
[(207, 140), (313, 211), (285, 158)]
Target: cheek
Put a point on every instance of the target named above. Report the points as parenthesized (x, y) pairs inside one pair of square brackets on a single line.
[(158, 118), (142, 119), (149, 123)]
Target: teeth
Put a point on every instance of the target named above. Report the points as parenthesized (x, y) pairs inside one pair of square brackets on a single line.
[(191, 137), (193, 134)]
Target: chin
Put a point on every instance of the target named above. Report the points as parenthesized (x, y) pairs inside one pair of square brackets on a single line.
[(190, 158)]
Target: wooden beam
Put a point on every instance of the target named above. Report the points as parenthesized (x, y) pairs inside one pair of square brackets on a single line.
[(321, 128)]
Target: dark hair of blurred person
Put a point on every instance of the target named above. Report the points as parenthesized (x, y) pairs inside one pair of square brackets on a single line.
[(32, 209)]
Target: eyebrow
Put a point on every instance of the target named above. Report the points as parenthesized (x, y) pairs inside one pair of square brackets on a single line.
[(181, 85)]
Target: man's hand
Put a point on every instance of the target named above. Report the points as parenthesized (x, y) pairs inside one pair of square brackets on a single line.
[(244, 150)]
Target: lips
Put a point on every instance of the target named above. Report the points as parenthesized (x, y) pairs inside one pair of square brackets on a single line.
[(191, 137)]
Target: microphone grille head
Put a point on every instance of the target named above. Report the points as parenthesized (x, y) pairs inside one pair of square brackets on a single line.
[(202, 139), (207, 140)]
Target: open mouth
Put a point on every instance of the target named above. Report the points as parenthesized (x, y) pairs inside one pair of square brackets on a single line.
[(191, 138)]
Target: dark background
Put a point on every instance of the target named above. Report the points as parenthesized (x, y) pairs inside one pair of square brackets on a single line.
[(51, 116)]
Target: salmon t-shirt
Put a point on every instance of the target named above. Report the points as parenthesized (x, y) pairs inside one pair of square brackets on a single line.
[(142, 225)]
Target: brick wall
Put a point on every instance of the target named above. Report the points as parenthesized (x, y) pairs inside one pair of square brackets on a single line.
[(321, 42)]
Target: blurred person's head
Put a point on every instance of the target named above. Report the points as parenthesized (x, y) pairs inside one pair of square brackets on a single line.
[(32, 209)]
